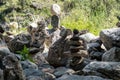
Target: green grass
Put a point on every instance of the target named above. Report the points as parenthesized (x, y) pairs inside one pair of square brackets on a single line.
[(93, 15)]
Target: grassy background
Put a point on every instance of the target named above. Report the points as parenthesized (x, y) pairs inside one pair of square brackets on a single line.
[(93, 15)]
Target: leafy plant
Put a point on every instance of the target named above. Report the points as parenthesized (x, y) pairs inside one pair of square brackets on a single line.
[(25, 54)]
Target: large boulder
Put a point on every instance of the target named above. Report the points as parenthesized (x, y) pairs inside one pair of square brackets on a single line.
[(110, 37), (112, 55), (77, 77), (4, 51), (104, 69), (12, 68)]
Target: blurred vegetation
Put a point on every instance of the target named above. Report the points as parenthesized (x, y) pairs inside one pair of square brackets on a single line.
[(92, 15), (25, 54)]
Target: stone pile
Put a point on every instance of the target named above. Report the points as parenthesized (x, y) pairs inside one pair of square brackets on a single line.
[(59, 53)]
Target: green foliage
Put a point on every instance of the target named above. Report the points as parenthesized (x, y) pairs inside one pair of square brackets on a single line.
[(92, 15), (25, 54)]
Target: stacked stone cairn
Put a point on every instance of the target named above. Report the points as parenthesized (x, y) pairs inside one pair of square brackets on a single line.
[(77, 51)]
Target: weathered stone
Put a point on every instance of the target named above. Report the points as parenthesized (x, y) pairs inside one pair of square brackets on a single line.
[(96, 55), (47, 77), (39, 59), (94, 47), (13, 69), (56, 55), (109, 70), (33, 72), (62, 71), (55, 9), (4, 49), (77, 77), (46, 68), (1, 75), (110, 37), (27, 64), (55, 22), (88, 37), (19, 42), (78, 64), (77, 51), (34, 78), (112, 55), (39, 35)]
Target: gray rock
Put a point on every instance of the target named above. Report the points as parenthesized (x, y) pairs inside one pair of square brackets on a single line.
[(54, 35), (55, 22), (34, 78), (88, 37), (39, 59), (4, 49), (55, 9), (33, 72), (1, 75), (56, 55), (28, 65), (47, 77), (77, 77), (104, 69), (19, 42), (62, 70), (13, 69), (46, 68), (96, 55), (94, 47), (110, 37), (112, 55)]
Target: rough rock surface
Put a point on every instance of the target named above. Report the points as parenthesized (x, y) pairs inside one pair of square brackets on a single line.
[(110, 37), (112, 55), (19, 42), (77, 77), (1, 75), (13, 69), (56, 55), (62, 71), (109, 70)]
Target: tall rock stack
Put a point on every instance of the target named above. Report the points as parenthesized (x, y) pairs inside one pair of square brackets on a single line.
[(55, 19), (78, 51)]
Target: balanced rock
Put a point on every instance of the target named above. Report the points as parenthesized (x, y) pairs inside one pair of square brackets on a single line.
[(55, 9)]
